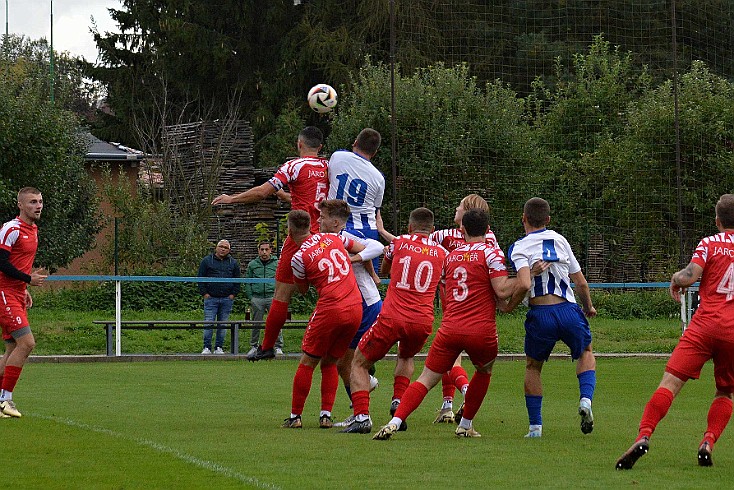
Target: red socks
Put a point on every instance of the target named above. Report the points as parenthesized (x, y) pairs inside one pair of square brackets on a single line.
[(459, 377), (478, 387), (412, 397), (656, 408), (274, 323), (718, 417), (301, 387), (400, 384), (447, 386), (10, 378), (329, 385), (361, 402)]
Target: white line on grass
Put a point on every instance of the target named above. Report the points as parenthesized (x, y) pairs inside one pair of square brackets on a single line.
[(201, 463)]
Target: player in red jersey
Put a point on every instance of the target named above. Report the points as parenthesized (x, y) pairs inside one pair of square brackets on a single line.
[(710, 335), (18, 245), (308, 182), (322, 260), (475, 273), (451, 239), (415, 265)]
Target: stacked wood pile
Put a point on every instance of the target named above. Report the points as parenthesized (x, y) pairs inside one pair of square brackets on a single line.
[(209, 158)]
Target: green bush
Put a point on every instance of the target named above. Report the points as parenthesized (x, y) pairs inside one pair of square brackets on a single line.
[(635, 304)]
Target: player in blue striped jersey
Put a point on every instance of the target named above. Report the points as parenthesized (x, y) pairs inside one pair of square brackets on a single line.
[(354, 179), (553, 314)]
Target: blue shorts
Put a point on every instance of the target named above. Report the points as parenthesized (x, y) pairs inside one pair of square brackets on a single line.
[(547, 324), (369, 317)]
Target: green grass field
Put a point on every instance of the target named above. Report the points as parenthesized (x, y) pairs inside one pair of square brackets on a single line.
[(216, 425)]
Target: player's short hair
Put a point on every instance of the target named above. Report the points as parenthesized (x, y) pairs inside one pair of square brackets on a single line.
[(725, 210), (299, 221), (264, 242), (336, 208), (476, 222), (368, 140), (537, 211), (28, 190), (421, 219), (475, 201), (311, 136)]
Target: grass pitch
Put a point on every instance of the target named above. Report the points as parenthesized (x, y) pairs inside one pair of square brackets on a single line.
[(215, 424)]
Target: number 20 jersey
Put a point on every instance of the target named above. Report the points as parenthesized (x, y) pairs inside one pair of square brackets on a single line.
[(715, 313), (416, 268), (324, 262)]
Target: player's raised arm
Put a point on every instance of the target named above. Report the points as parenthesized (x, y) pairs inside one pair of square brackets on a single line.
[(386, 235)]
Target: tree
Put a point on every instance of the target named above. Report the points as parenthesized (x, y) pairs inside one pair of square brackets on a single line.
[(41, 145)]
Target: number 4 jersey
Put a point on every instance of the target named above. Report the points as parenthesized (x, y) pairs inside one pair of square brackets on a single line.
[(715, 313), (322, 260)]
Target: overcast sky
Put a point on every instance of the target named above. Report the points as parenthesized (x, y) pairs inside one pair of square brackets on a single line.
[(72, 21)]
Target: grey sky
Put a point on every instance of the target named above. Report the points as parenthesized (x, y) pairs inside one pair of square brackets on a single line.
[(72, 21)]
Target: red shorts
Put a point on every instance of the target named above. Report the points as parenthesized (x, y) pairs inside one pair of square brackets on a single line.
[(694, 349), (385, 332), (14, 316), (480, 346), (284, 271), (330, 331)]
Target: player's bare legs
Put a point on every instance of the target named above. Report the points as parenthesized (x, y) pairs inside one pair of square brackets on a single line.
[(534, 395), (452, 380), (11, 364), (359, 381), (586, 374)]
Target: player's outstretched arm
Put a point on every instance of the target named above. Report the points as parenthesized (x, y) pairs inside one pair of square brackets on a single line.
[(581, 287), (684, 278), (251, 196)]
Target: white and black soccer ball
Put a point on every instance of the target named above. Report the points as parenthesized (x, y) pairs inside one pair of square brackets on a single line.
[(322, 98)]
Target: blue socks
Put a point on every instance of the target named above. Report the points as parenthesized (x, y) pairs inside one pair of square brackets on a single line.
[(534, 403), (587, 384)]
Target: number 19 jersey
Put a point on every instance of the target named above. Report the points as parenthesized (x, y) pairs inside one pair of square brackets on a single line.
[(355, 180), (417, 265)]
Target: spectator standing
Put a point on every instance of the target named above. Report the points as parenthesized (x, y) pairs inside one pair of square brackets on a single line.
[(261, 294), (218, 296)]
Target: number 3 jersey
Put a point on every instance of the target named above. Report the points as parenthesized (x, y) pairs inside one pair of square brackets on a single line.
[(715, 313), (554, 248), (355, 180), (469, 302), (416, 268), (323, 261), (308, 182)]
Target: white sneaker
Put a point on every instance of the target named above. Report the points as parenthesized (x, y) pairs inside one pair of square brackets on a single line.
[(206, 351), (535, 431), (251, 352), (218, 350), (278, 351)]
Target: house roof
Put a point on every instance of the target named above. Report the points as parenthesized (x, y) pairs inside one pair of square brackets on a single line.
[(101, 150)]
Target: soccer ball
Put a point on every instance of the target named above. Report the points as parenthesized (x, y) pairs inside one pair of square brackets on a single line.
[(322, 98)]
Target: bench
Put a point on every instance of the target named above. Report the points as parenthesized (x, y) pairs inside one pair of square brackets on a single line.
[(234, 327)]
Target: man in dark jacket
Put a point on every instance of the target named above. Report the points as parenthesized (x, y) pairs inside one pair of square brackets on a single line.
[(218, 296), (261, 294)]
